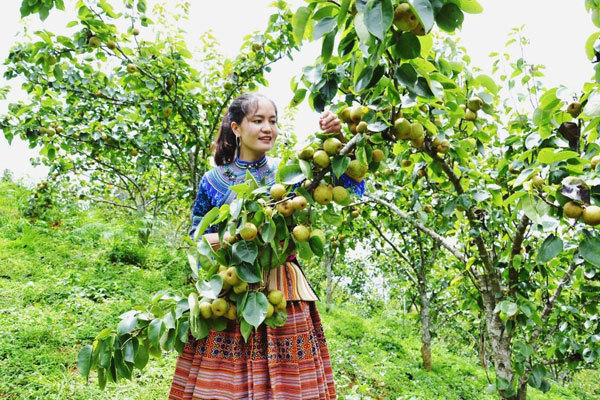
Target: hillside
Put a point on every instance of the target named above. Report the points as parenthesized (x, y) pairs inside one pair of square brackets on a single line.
[(67, 276)]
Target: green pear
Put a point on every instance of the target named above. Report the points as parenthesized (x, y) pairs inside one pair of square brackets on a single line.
[(231, 276), (275, 297), (591, 215), (206, 310), (277, 191), (301, 233), (572, 210), (332, 146), (339, 194), (377, 155), (323, 194), (219, 307), (240, 287), (475, 104), (402, 128), (299, 203), (574, 109), (595, 161), (248, 231), (416, 131), (321, 159), (306, 153), (356, 170), (285, 208), (361, 127), (470, 115)]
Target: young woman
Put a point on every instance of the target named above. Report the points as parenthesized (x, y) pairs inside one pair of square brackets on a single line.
[(286, 363)]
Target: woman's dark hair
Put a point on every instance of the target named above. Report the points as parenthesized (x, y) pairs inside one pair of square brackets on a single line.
[(225, 146)]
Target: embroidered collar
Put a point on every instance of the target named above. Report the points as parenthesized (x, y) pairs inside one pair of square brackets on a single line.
[(251, 164)]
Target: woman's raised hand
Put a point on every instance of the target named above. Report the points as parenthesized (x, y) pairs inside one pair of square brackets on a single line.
[(329, 122)]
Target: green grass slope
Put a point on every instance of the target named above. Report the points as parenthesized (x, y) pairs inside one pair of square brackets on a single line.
[(63, 281)]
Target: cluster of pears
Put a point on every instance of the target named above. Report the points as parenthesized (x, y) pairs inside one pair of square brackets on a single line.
[(51, 130), (415, 132), (590, 214), (231, 280), (473, 105), (353, 117), (277, 302), (302, 233), (406, 20)]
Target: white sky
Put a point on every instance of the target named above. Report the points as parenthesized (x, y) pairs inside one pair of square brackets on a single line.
[(557, 32)]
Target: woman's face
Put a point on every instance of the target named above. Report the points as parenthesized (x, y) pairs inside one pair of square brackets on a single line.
[(257, 132)]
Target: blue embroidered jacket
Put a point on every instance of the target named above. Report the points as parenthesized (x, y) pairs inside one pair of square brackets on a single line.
[(213, 190)]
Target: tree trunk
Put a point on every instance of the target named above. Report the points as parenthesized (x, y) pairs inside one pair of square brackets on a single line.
[(499, 341), (522, 392), (425, 322), (328, 299)]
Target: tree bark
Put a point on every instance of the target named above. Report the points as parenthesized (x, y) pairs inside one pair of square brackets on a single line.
[(425, 327), (328, 295)]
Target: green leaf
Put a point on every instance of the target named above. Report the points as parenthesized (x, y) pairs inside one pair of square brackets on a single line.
[(364, 78), (127, 325), (129, 350), (249, 273), (487, 82), (268, 231), (212, 287), (379, 16), (306, 168), (342, 14), (408, 46), (290, 174), (304, 250), (471, 6), (246, 329), (332, 218), (256, 308), (534, 209), (84, 361), (324, 26), (449, 17), (123, 369), (590, 51), (589, 248), (339, 164), (155, 331), (206, 221), (316, 245), (244, 252), (142, 356), (549, 155), (406, 75), (299, 21), (424, 11), (327, 48), (509, 308), (240, 189), (550, 248)]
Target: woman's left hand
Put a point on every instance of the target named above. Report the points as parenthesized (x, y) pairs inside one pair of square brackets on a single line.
[(329, 122)]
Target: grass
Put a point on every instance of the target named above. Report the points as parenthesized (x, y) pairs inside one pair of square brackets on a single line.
[(65, 277)]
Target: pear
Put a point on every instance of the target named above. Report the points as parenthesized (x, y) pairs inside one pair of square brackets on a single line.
[(435, 143), (361, 127), (406, 163), (231, 312), (219, 307), (595, 161), (353, 127), (591, 215), (356, 170), (574, 109), (323, 194), (332, 146), (206, 310), (318, 233), (428, 208), (346, 115), (321, 159), (285, 208), (281, 305), (418, 143), (299, 203), (306, 153), (277, 191), (416, 131), (470, 115), (135, 31), (339, 194), (270, 310), (301, 233), (248, 231), (404, 18), (222, 268), (443, 147), (377, 155), (419, 30), (223, 275), (356, 113), (95, 42), (421, 173), (475, 104), (268, 211), (231, 276), (402, 128), (111, 44), (131, 68), (355, 213), (572, 210), (275, 297), (537, 181), (240, 287)]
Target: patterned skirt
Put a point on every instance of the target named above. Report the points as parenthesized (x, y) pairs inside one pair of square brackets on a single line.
[(286, 363)]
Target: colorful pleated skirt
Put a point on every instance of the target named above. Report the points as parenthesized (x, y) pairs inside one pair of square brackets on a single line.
[(287, 363)]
